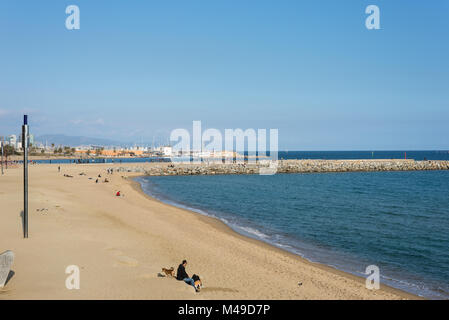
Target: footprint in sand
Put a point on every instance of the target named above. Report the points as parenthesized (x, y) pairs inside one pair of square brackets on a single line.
[(218, 289), (128, 261), (5, 291), (114, 251), (122, 259)]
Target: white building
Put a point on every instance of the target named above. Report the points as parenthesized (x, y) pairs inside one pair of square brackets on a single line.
[(166, 151), (12, 140)]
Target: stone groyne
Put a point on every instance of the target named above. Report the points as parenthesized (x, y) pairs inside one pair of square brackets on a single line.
[(285, 166)]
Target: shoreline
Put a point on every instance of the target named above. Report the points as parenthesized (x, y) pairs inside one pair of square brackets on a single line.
[(223, 227), (121, 243)]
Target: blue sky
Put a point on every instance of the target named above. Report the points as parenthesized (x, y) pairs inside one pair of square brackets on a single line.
[(138, 69)]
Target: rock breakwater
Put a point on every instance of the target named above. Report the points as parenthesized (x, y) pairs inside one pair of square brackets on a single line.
[(285, 166)]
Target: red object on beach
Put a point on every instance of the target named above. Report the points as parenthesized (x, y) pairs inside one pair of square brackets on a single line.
[(118, 194)]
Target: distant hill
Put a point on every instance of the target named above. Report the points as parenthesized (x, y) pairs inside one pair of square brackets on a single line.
[(73, 141)]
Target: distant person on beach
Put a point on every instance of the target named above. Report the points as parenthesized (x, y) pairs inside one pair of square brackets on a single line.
[(181, 274), (59, 168), (118, 194)]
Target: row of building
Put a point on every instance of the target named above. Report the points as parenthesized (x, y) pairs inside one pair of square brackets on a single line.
[(91, 150), (163, 151), (14, 141)]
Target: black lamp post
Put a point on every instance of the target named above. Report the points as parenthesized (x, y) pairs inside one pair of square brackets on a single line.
[(25, 175)]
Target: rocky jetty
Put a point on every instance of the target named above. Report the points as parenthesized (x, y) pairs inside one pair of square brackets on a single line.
[(284, 166)]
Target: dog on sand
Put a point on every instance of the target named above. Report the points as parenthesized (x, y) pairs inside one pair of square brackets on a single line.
[(169, 272)]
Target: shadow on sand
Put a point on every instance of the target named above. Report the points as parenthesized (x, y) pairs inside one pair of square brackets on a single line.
[(22, 218), (218, 289), (10, 275)]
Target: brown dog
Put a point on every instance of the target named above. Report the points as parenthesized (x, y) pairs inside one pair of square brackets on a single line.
[(169, 272)]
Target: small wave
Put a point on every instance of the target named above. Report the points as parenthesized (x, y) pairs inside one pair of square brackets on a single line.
[(224, 220), (283, 245), (253, 232)]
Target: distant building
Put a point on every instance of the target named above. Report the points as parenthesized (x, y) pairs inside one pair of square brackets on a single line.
[(12, 140), (166, 150), (114, 152)]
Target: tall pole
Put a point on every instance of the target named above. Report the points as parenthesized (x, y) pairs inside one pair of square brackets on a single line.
[(2, 142), (25, 175)]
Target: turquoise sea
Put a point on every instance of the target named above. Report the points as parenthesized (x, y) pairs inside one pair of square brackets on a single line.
[(398, 221)]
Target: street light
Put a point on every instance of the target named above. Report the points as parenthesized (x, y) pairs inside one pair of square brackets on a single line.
[(1, 143), (25, 175)]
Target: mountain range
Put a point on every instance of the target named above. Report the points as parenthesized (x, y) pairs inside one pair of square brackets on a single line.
[(73, 141)]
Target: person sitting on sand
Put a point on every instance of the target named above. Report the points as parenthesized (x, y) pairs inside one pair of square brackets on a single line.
[(181, 274), (118, 194)]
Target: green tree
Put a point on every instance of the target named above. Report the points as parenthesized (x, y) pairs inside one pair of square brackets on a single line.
[(67, 150), (8, 150), (99, 151)]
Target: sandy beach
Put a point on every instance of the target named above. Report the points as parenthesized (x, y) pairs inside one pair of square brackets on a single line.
[(121, 243)]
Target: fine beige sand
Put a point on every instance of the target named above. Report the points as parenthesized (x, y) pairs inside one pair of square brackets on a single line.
[(120, 245)]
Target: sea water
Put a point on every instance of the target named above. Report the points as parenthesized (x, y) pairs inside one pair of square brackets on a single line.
[(398, 221)]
